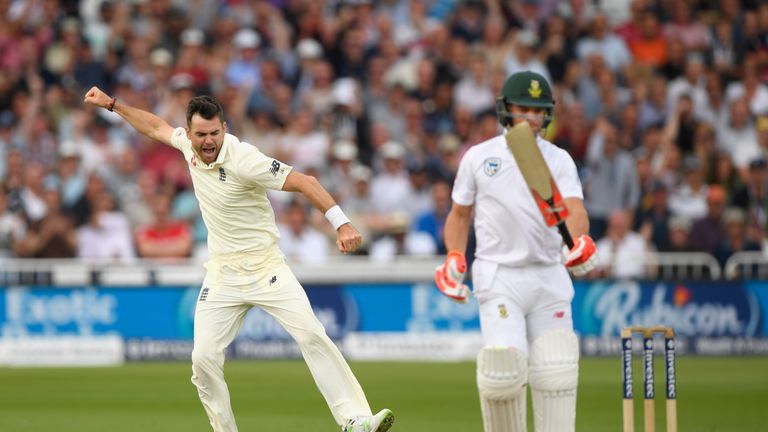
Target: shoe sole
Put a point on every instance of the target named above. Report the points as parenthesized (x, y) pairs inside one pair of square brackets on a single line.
[(386, 422)]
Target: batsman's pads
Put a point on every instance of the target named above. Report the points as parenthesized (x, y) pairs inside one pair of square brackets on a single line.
[(582, 257), (554, 375), (449, 277), (501, 376)]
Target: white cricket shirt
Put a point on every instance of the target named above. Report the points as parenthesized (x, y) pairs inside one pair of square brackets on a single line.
[(232, 192), (509, 227)]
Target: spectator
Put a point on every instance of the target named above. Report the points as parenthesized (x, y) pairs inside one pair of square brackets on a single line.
[(689, 199), (735, 237), (524, 57), (432, 222), (605, 43), (653, 223), (679, 235), (399, 241), (622, 252), (298, 240), (737, 135), (107, 234), (707, 232), (391, 188), (164, 237), (611, 179), (752, 199), (53, 236), (32, 195), (12, 227)]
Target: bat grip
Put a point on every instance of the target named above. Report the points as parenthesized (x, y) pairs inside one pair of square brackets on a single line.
[(566, 234)]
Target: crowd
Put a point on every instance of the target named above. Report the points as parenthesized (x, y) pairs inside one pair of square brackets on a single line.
[(663, 105)]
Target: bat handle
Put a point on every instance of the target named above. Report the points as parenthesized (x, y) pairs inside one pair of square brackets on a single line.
[(566, 234)]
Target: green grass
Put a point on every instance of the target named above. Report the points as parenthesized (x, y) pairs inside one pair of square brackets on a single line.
[(715, 394)]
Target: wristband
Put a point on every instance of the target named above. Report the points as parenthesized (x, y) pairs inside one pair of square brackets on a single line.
[(111, 105), (336, 217)]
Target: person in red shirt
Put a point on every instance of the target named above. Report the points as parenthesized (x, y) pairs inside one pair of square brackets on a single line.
[(165, 237)]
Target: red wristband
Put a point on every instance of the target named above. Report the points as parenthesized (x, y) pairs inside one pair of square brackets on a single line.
[(111, 105)]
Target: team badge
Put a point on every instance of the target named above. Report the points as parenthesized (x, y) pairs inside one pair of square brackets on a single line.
[(535, 89), (491, 166), (503, 313), (222, 175), (193, 160)]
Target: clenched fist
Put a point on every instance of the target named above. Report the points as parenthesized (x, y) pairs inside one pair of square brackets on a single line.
[(348, 239), (97, 97)]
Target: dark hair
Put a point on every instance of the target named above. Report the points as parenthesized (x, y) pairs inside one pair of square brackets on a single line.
[(206, 107)]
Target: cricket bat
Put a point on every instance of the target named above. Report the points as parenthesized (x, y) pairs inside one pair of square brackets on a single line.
[(522, 144)]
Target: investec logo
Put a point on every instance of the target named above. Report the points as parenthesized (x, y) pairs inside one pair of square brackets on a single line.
[(619, 306)]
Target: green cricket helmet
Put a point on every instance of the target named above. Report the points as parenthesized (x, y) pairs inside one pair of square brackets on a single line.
[(528, 89)]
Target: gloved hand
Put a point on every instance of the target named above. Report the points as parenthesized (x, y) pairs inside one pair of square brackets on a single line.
[(582, 257), (449, 277)]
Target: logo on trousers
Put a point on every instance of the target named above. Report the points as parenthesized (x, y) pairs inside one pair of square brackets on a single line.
[(203, 295)]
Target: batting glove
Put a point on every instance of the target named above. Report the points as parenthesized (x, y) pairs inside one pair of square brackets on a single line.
[(582, 257), (449, 277)]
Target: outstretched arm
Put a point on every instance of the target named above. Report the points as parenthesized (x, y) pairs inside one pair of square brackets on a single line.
[(348, 238), (144, 122)]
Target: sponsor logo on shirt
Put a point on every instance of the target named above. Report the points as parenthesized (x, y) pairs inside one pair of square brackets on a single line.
[(222, 175), (274, 168), (193, 160), (491, 166), (273, 280)]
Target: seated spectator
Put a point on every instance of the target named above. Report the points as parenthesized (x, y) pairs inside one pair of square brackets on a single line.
[(679, 235), (622, 252), (53, 236), (298, 240), (752, 198), (12, 227), (433, 222), (107, 233), (707, 232), (164, 237), (653, 223), (400, 241), (390, 188), (735, 238), (690, 198)]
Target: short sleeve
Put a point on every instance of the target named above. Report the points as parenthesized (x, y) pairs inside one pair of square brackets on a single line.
[(567, 178), (255, 167), (179, 139), (465, 187)]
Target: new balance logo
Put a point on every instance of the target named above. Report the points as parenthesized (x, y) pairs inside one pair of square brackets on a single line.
[(222, 175), (203, 295), (275, 168)]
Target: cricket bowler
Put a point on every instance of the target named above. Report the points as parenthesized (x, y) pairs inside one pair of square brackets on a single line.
[(246, 267), (520, 280)]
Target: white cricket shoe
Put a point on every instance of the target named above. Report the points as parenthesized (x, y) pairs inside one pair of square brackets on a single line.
[(379, 422)]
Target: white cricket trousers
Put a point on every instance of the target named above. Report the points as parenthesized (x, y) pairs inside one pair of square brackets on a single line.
[(230, 289)]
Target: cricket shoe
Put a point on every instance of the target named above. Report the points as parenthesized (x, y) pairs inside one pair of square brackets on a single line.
[(380, 422)]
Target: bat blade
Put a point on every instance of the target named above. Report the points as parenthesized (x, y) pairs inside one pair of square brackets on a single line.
[(535, 171)]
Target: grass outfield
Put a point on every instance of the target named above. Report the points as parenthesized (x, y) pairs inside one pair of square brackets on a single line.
[(715, 394)]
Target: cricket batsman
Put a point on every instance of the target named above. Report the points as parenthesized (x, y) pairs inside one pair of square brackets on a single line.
[(522, 287), (246, 268)]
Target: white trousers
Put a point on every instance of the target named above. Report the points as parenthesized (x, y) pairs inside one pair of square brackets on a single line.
[(229, 291), (519, 304)]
